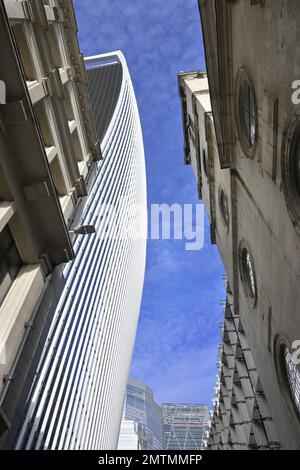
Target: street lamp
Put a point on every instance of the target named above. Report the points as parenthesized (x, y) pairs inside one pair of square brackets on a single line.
[(83, 230)]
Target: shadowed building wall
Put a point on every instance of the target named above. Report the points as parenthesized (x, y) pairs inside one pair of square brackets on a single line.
[(247, 153)]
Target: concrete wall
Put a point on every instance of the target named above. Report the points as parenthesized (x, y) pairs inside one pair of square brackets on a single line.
[(264, 44), (258, 39), (241, 418)]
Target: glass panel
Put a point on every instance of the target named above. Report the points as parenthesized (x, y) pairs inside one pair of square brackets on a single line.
[(13, 261), (10, 262), (247, 106), (224, 208), (249, 273), (5, 240), (251, 280), (5, 282), (293, 376)]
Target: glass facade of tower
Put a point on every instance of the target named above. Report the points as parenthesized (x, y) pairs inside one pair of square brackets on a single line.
[(141, 407), (129, 438), (185, 426), (76, 397)]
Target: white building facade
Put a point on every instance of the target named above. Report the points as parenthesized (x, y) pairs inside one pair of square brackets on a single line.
[(77, 395), (129, 438)]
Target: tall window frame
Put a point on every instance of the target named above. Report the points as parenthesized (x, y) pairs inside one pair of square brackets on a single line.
[(246, 115)]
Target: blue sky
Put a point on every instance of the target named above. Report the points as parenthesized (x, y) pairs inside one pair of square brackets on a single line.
[(176, 344)]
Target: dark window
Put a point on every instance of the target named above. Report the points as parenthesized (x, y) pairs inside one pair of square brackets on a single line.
[(248, 274), (248, 112), (191, 123), (223, 204), (10, 262), (204, 159)]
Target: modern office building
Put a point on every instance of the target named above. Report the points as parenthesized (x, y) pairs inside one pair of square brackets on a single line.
[(68, 359), (246, 161), (48, 143), (141, 407), (185, 426), (130, 437)]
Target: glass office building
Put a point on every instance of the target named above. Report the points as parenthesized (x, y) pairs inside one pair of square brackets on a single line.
[(129, 436), (76, 398), (141, 407), (185, 426)]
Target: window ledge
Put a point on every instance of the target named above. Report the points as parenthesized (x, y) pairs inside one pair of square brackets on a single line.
[(72, 125), (36, 91), (16, 310), (51, 153), (7, 210), (83, 168), (67, 206)]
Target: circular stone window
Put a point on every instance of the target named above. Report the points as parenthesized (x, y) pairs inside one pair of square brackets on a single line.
[(290, 166), (288, 373), (224, 208), (247, 274), (246, 114)]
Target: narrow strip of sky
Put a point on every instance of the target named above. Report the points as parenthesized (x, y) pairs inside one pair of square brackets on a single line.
[(176, 345)]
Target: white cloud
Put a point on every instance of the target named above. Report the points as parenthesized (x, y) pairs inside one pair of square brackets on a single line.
[(177, 378)]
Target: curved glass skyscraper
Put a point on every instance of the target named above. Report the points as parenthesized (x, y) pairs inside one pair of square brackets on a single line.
[(78, 390), (140, 407)]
